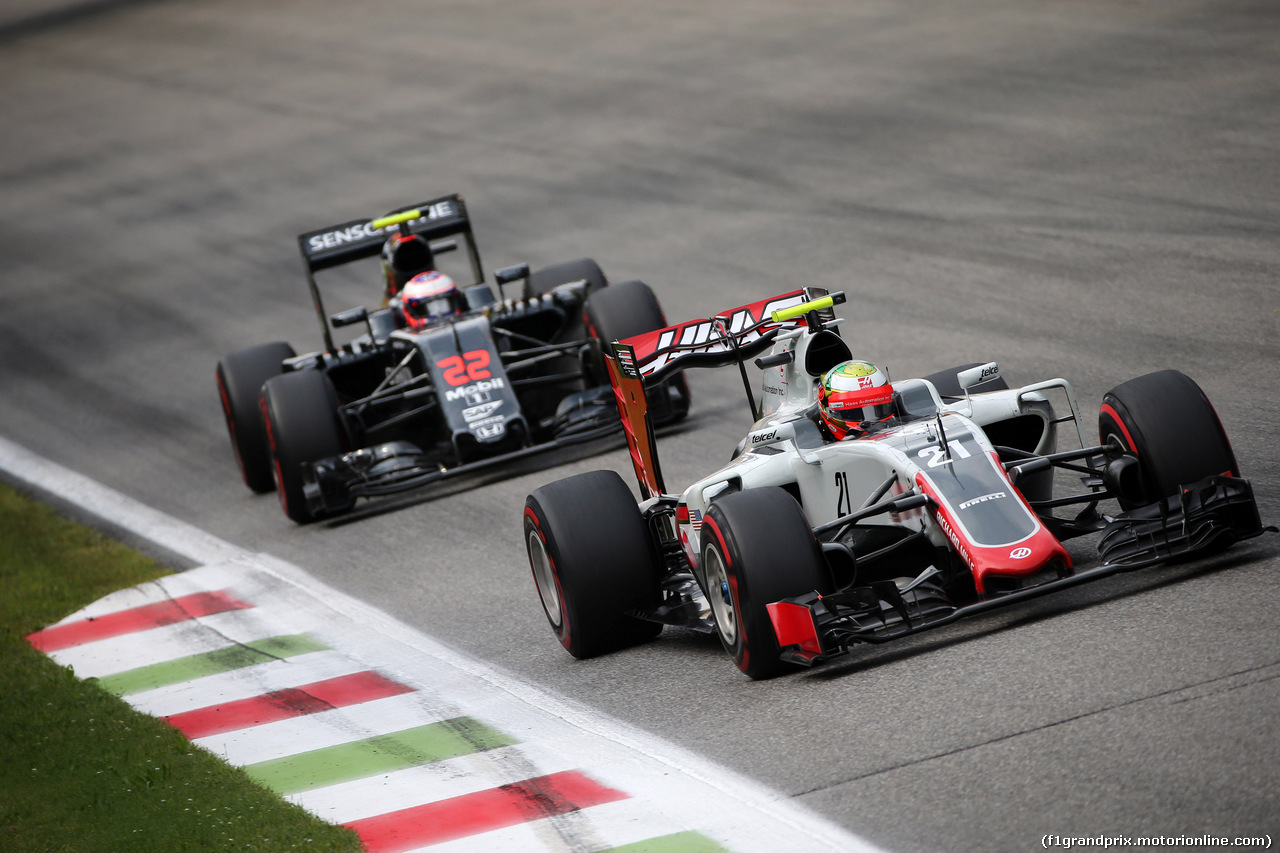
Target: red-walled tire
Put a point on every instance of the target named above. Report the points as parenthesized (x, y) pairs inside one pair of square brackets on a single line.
[(757, 548), (300, 414), (593, 562), (1167, 422), (240, 379)]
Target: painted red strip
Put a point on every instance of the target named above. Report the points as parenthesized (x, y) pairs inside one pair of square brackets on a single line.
[(135, 619), (286, 704), (508, 805)]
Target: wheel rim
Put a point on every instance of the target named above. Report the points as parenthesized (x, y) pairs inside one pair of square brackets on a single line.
[(545, 577), (721, 601)]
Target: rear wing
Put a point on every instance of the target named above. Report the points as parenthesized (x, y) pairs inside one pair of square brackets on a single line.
[(730, 337), (335, 245)]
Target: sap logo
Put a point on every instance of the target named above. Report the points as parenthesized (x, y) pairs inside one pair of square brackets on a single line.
[(475, 413), (475, 390), (991, 497), (762, 437)]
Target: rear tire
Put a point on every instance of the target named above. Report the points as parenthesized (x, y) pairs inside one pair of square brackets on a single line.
[(593, 562), (240, 379), (300, 414), (542, 403), (1167, 422), (624, 310), (757, 548)]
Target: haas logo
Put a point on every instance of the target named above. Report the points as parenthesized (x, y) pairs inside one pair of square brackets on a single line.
[(1019, 553)]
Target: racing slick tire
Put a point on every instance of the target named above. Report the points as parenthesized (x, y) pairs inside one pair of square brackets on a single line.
[(626, 309), (1167, 422), (240, 379), (757, 548), (593, 562), (948, 382), (300, 415)]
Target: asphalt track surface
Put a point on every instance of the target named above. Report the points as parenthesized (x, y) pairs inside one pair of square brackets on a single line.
[(1085, 189)]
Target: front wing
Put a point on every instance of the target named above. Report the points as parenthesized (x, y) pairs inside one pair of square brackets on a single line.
[(332, 485), (1204, 519)]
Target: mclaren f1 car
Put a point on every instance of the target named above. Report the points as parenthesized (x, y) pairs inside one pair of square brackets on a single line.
[(442, 379), (827, 530)]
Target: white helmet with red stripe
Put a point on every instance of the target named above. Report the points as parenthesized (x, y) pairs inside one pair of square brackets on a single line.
[(428, 298)]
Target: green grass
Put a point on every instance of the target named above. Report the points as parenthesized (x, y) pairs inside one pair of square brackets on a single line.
[(79, 769)]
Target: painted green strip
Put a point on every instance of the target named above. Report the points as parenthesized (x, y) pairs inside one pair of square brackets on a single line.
[(383, 754), (209, 663), (680, 842)]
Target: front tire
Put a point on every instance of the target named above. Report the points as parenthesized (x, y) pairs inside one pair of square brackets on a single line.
[(757, 548), (240, 379), (300, 414), (1167, 422), (593, 562)]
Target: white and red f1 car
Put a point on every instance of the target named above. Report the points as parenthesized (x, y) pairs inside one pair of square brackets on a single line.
[(802, 546)]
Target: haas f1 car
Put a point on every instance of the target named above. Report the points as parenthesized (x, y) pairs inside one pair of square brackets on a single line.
[(813, 539), (471, 381)]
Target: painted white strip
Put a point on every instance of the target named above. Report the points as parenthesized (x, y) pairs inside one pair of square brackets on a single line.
[(246, 683), (327, 728), (685, 790), (144, 648), (429, 783), (614, 824)]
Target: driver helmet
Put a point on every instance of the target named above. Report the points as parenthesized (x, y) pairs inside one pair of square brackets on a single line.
[(403, 257), (428, 298), (852, 395)]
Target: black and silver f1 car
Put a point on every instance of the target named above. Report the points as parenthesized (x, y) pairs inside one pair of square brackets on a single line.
[(411, 401), (803, 546)]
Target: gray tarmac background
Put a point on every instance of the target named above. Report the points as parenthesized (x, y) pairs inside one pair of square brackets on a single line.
[(1086, 189)]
